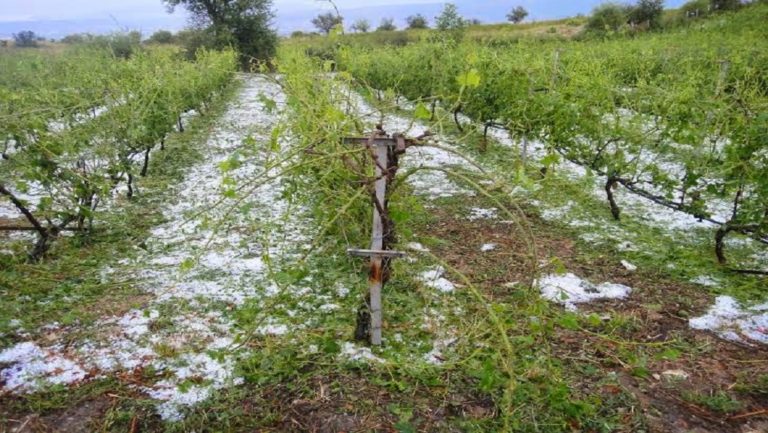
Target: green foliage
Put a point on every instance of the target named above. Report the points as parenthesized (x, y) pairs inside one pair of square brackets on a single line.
[(695, 9), (121, 45), (331, 171), (361, 26), (327, 21), (517, 15), (194, 40), (725, 5), (608, 17), (449, 19), (161, 37), (647, 12), (386, 25), (77, 38), (244, 25), (416, 22), (78, 145)]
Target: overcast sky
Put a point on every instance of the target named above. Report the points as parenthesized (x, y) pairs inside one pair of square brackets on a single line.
[(51, 18)]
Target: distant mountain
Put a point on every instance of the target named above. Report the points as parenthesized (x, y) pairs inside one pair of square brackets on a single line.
[(57, 29)]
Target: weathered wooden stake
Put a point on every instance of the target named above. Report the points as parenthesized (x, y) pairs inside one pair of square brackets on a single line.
[(376, 276), (380, 145)]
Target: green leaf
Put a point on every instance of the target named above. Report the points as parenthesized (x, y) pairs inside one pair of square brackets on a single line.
[(551, 159), (187, 265), (470, 78), (560, 268), (422, 112)]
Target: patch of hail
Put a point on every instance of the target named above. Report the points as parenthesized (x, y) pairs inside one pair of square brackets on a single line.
[(415, 246), (185, 334), (436, 355), (706, 281), (731, 321), (488, 247), (433, 278), (477, 213), (628, 266), (351, 352), (570, 290)]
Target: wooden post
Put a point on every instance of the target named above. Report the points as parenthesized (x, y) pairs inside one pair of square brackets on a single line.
[(380, 146), (376, 276)]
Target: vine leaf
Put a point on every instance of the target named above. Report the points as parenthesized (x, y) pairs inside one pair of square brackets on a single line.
[(422, 112), (470, 78)]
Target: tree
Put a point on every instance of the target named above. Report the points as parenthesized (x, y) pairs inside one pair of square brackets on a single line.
[(361, 26), (417, 21), (25, 39), (193, 39), (327, 21), (387, 25), (647, 11), (517, 15), (607, 17), (695, 8), (725, 5), (245, 24), (122, 45), (77, 38), (161, 37), (449, 19)]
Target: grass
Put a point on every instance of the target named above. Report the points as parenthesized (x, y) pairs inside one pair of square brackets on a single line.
[(718, 402)]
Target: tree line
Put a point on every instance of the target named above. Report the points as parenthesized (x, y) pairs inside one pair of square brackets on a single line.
[(449, 18)]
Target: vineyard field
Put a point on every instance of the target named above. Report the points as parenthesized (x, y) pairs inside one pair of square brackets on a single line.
[(575, 235)]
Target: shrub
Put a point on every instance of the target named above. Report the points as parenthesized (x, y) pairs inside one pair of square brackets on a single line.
[(647, 12), (608, 17), (450, 19), (387, 25), (161, 37), (25, 39), (725, 5), (695, 9), (361, 26), (193, 40), (326, 22), (122, 45), (517, 15), (417, 21)]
